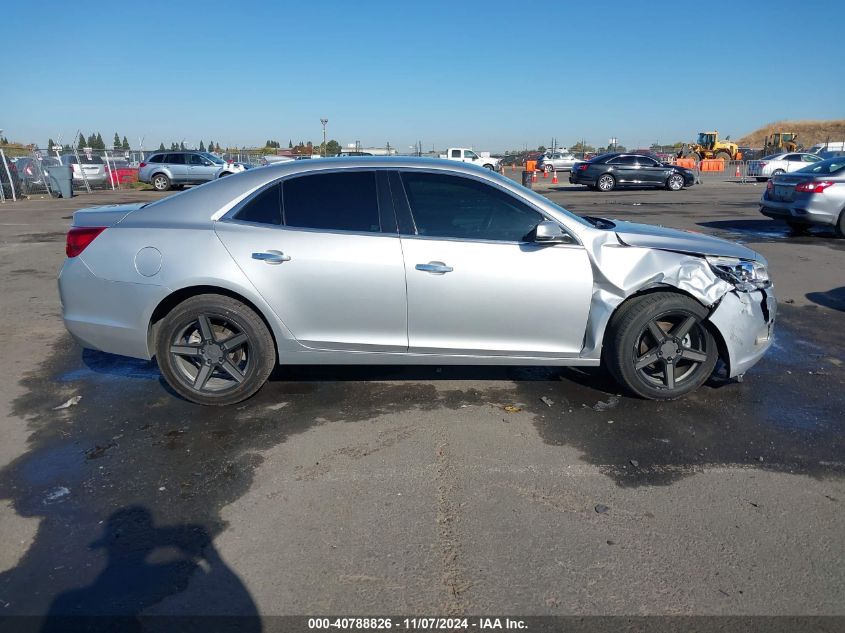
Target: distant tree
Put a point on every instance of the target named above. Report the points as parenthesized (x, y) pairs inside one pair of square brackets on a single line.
[(50, 144), (99, 144), (290, 144), (81, 143), (202, 146), (173, 146), (181, 145), (332, 148), (67, 148), (125, 144), (116, 142), (161, 147)]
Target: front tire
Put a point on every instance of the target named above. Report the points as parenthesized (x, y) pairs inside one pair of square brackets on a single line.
[(606, 182), (675, 182), (659, 347), (161, 182), (489, 166), (214, 350)]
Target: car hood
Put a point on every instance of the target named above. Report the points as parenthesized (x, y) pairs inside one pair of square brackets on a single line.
[(659, 237)]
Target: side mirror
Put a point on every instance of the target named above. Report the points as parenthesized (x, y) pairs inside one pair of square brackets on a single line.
[(548, 232)]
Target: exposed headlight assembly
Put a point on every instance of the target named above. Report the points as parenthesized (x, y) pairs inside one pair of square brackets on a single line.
[(744, 274)]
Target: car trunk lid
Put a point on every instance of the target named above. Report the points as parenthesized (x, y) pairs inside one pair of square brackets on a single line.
[(107, 215)]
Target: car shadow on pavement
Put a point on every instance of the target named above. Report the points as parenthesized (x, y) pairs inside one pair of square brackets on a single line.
[(833, 299), (765, 230)]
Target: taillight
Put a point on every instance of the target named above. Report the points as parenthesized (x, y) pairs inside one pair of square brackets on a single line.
[(769, 185), (78, 239), (814, 187), (142, 165), (583, 167), (763, 163)]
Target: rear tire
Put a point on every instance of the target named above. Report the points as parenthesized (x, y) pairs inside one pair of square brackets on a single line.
[(724, 156), (762, 179), (161, 182), (777, 172), (797, 227), (839, 228), (606, 183), (214, 350), (659, 347)]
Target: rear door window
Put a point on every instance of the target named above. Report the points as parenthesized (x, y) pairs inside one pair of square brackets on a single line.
[(623, 160), (336, 201), (175, 159)]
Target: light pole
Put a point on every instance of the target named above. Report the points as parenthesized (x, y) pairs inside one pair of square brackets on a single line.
[(324, 122)]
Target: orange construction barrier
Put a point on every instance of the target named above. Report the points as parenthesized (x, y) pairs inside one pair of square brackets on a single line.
[(689, 163), (712, 164), (531, 165)]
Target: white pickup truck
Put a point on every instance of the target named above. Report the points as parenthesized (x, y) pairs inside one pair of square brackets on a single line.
[(465, 155)]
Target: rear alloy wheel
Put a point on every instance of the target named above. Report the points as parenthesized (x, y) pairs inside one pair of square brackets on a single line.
[(840, 225), (777, 172), (214, 350), (547, 168), (161, 182), (675, 182), (223, 173), (606, 182), (490, 167), (659, 347)]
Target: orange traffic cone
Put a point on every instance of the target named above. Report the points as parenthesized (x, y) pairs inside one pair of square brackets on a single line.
[(554, 177), (534, 176), (737, 174), (545, 174)]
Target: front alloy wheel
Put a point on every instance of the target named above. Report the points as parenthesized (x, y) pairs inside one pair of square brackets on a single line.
[(659, 347)]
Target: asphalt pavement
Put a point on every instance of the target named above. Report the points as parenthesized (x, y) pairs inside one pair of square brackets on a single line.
[(417, 490)]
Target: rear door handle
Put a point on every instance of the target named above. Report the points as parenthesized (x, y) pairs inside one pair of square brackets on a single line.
[(435, 268), (271, 257)]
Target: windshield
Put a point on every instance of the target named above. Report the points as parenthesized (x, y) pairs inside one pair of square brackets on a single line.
[(213, 158), (825, 167), (703, 139)]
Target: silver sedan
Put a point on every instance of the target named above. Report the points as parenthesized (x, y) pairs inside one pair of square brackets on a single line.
[(404, 261), (814, 195)]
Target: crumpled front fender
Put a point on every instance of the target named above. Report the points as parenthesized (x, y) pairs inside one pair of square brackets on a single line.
[(743, 320)]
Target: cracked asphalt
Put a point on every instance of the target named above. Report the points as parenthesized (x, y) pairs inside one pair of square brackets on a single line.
[(409, 490)]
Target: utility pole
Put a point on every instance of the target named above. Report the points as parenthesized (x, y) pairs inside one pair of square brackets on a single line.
[(324, 122)]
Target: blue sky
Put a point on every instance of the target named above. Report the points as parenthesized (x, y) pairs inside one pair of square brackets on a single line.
[(492, 75)]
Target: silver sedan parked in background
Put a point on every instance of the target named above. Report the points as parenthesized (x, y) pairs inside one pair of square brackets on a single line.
[(814, 195), (404, 261), (778, 164)]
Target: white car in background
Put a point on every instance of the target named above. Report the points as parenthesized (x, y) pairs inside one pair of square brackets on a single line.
[(777, 164)]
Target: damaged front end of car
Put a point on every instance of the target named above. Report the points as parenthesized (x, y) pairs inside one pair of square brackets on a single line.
[(730, 280)]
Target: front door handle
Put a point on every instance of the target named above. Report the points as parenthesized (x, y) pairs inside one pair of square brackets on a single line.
[(435, 268), (271, 257)]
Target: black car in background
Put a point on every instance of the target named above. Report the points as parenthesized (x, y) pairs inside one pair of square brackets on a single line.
[(608, 171)]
